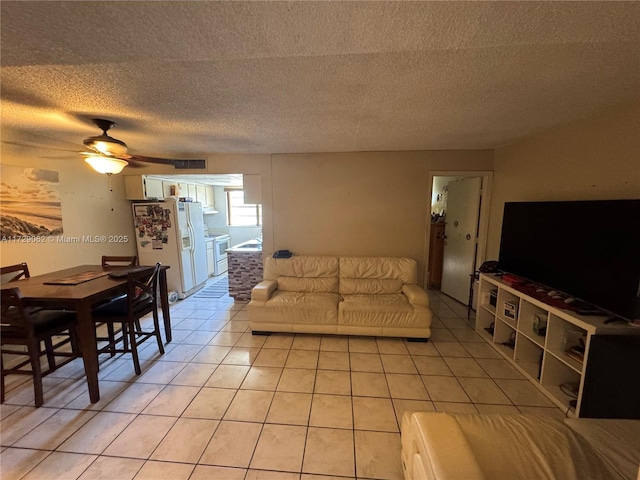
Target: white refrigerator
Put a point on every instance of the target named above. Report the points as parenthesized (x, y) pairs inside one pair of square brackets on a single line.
[(172, 233)]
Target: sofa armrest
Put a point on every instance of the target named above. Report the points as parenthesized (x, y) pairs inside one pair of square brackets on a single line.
[(263, 290), (415, 294), (441, 446)]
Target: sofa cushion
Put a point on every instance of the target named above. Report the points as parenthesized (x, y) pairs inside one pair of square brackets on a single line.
[(373, 286), (310, 285), (297, 307), (356, 274), (312, 274), (300, 266), (390, 310)]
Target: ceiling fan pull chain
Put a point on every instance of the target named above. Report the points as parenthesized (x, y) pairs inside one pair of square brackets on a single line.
[(110, 189)]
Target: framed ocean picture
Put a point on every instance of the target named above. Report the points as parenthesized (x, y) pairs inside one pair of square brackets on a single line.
[(29, 202)]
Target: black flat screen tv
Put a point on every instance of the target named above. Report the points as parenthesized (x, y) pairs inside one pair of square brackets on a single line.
[(589, 250)]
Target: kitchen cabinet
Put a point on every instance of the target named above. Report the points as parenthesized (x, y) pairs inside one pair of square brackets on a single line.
[(201, 194), (141, 187), (209, 197), (190, 191), (166, 188), (245, 272), (211, 262)]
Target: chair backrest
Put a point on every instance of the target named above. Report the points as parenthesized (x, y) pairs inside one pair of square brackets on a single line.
[(14, 272), (142, 290), (11, 309), (119, 261)]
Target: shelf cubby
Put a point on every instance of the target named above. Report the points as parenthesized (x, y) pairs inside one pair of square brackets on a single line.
[(529, 315), (484, 320), (556, 373), (528, 356), (503, 334), (562, 336), (487, 297), (505, 298)]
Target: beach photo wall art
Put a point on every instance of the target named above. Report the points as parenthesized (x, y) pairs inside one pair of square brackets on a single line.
[(29, 202)]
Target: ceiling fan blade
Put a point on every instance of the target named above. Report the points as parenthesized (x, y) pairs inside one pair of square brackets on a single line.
[(178, 164), (39, 147), (133, 163)]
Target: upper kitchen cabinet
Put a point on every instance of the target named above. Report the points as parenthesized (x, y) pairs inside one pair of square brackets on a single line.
[(200, 194), (208, 204), (190, 191), (170, 189), (209, 196), (141, 187)]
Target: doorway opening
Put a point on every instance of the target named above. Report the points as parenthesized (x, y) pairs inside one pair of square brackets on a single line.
[(223, 199), (457, 233)]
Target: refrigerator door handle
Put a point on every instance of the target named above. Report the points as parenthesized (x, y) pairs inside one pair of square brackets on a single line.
[(192, 233)]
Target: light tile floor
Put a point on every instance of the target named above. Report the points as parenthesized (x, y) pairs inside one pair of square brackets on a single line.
[(224, 404)]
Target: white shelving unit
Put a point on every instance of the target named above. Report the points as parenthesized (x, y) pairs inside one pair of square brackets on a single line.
[(544, 356)]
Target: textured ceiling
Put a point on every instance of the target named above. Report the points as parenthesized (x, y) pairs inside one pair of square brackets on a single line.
[(191, 78)]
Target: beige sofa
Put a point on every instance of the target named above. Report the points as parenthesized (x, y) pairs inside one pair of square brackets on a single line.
[(443, 446), (376, 296)]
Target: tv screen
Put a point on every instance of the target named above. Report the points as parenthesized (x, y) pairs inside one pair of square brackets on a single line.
[(587, 249)]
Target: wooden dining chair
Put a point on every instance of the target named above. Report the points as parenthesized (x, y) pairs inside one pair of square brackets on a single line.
[(114, 261), (27, 327), (14, 272), (126, 312), (119, 261)]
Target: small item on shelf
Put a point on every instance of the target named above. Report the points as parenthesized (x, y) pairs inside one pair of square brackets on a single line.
[(540, 324), (490, 266), (493, 298), (512, 279), (570, 389), (511, 310), (577, 353), (511, 343), (574, 345), (490, 328)]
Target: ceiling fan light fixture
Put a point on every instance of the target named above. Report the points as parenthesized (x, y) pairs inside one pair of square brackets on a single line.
[(107, 165), (106, 145)]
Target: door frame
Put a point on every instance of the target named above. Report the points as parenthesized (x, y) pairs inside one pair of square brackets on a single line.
[(483, 227)]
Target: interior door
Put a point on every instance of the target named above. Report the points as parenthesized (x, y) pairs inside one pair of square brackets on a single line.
[(461, 232)]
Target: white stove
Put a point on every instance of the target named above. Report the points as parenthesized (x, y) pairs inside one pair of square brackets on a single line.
[(220, 245)]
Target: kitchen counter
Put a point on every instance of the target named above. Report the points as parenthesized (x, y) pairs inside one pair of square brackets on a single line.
[(245, 269), (250, 246)]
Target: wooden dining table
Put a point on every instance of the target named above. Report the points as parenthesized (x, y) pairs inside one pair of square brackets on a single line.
[(47, 291)]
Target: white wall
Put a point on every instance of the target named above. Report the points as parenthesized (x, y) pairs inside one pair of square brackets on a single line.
[(86, 210), (369, 203), (591, 159)]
